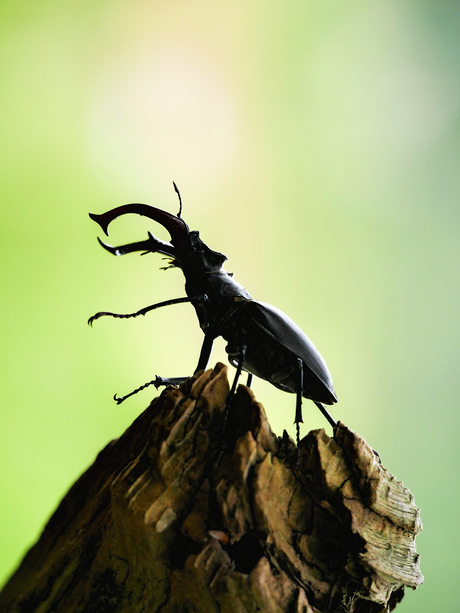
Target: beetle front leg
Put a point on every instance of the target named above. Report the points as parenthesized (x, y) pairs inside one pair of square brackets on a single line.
[(201, 297)]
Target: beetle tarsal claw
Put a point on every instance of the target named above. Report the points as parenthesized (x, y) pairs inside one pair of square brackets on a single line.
[(94, 317)]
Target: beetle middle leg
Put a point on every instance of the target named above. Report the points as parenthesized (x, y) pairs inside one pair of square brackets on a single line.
[(154, 382), (158, 382), (203, 361), (205, 353), (231, 394)]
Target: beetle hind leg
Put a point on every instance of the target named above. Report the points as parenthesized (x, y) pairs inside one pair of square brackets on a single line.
[(326, 413), (298, 405)]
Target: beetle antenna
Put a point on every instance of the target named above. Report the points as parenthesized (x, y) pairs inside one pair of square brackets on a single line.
[(176, 189)]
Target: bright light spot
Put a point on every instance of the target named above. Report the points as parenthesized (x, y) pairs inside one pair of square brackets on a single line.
[(164, 112)]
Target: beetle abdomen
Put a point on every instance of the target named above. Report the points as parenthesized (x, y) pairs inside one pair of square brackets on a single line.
[(274, 342)]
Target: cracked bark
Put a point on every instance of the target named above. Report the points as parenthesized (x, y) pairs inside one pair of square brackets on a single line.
[(171, 517)]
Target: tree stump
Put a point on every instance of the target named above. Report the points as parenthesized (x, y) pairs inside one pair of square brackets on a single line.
[(175, 517)]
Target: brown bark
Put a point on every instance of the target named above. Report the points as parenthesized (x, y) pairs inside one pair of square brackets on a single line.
[(173, 517)]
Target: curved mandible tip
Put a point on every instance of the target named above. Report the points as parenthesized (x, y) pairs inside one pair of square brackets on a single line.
[(101, 221), (176, 226)]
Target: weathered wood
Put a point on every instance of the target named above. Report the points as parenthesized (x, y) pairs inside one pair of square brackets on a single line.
[(173, 517)]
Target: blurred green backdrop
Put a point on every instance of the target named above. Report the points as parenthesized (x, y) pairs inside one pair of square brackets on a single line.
[(315, 143)]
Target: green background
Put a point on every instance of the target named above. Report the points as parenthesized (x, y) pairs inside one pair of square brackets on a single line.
[(316, 144)]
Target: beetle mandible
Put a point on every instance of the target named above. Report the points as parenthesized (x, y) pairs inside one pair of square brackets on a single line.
[(261, 339)]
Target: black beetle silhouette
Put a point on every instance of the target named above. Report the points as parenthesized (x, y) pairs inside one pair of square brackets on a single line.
[(261, 339)]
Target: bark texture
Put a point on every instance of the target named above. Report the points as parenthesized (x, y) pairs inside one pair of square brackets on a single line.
[(173, 517)]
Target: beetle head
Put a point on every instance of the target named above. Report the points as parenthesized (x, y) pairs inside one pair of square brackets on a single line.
[(186, 248), (211, 261)]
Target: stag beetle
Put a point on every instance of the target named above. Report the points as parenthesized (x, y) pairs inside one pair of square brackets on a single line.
[(261, 339)]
